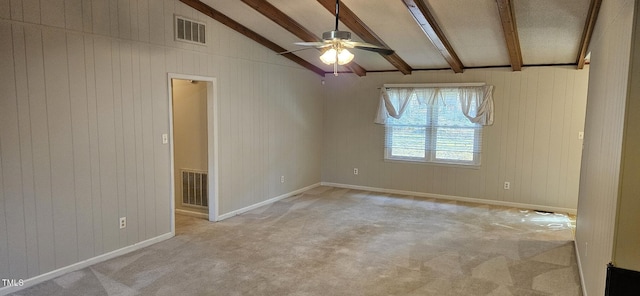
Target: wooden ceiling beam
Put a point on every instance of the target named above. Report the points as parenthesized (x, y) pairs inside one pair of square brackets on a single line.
[(361, 29), (225, 20), (510, 31), (589, 25), (427, 22), (288, 23)]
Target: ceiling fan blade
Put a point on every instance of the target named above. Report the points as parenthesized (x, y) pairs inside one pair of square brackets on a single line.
[(294, 50), (318, 45), (369, 47), (314, 44), (380, 50)]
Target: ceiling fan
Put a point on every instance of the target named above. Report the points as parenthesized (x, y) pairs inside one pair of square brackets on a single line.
[(335, 45)]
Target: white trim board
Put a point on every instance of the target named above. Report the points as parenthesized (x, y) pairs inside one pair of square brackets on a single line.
[(266, 202), (85, 263), (582, 282), (456, 198), (192, 214)]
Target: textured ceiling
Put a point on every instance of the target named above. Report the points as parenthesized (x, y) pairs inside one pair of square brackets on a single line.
[(475, 32), (549, 31)]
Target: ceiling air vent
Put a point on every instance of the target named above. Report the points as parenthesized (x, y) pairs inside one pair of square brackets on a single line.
[(190, 31)]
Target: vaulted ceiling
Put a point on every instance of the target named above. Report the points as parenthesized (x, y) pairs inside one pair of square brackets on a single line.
[(425, 34)]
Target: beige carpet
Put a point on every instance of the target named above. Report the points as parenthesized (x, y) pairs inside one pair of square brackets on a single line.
[(331, 241)]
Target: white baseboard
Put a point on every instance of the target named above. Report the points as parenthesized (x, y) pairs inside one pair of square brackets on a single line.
[(456, 198), (266, 202), (193, 214), (582, 282), (82, 264)]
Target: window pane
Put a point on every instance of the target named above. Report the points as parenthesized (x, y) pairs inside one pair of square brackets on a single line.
[(407, 142), (455, 144)]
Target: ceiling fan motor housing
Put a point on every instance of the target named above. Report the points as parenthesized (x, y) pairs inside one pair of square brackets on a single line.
[(331, 35)]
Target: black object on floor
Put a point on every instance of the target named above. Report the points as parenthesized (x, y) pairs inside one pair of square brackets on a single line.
[(622, 282)]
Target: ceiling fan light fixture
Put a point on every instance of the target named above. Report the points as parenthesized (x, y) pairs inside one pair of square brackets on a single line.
[(342, 56), (335, 43), (329, 56)]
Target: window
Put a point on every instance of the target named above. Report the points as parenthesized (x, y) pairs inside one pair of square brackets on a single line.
[(435, 125)]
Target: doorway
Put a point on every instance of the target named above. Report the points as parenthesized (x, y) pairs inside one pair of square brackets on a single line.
[(193, 147)]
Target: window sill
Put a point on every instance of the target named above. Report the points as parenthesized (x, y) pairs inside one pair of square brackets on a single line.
[(439, 164)]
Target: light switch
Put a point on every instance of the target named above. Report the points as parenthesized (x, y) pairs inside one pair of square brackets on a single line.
[(580, 135), (165, 138)]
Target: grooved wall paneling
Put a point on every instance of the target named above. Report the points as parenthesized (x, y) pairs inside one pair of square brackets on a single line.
[(14, 245), (58, 119), (30, 9), (26, 169), (627, 241), (5, 9), (533, 143), (601, 162), (84, 105), (81, 142), (4, 239)]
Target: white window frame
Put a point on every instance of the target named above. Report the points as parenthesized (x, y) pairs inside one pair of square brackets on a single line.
[(431, 139)]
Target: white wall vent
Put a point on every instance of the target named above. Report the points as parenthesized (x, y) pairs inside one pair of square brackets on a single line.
[(190, 31), (195, 191)]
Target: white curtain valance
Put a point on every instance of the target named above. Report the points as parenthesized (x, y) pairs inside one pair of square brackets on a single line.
[(476, 102)]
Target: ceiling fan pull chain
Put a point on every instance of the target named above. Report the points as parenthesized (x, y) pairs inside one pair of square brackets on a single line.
[(335, 65)]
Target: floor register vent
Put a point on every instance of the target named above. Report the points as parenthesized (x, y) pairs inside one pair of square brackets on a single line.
[(194, 188)]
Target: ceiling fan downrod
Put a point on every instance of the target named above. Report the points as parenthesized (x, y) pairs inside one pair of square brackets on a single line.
[(337, 13), (337, 34)]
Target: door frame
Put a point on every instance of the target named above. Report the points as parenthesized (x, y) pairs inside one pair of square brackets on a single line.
[(212, 143)]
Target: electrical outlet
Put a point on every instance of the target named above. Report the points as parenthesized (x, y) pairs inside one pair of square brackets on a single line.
[(281, 179), (355, 171), (123, 222), (165, 138), (507, 185)]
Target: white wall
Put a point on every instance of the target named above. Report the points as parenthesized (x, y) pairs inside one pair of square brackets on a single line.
[(533, 143), (626, 251), (84, 103), (600, 174)]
